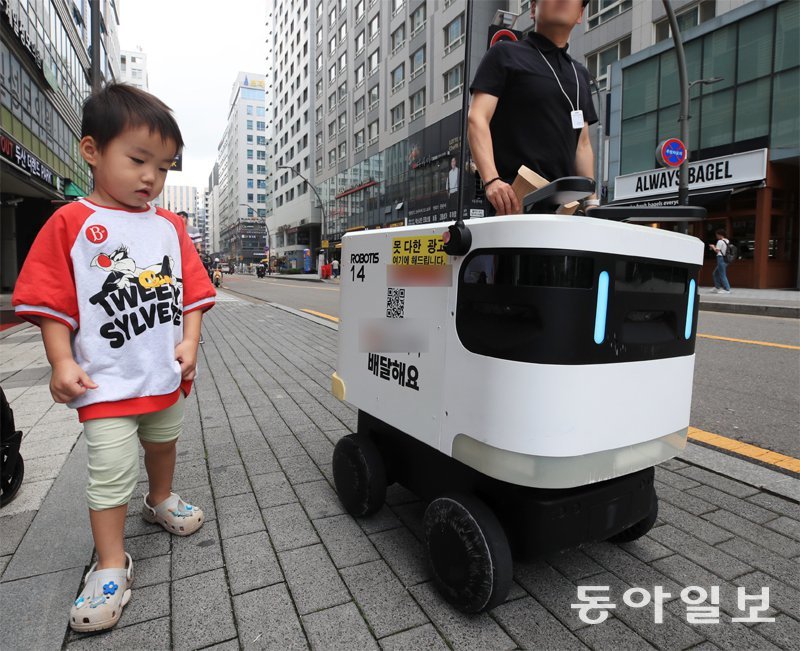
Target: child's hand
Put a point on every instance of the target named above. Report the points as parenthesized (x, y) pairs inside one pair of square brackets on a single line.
[(186, 354), (69, 381)]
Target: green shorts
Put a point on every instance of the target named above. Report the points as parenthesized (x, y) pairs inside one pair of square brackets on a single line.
[(113, 446)]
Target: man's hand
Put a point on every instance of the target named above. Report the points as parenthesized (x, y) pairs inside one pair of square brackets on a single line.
[(69, 381), (503, 198), (186, 354)]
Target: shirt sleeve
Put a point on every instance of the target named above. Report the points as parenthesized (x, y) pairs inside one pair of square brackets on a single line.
[(587, 100), (198, 292), (492, 72), (45, 287)]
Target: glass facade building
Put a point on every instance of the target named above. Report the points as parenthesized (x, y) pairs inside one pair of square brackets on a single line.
[(749, 61)]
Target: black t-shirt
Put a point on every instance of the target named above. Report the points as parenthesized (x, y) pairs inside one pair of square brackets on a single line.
[(531, 125)]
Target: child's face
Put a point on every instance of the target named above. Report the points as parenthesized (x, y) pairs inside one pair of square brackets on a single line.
[(132, 168)]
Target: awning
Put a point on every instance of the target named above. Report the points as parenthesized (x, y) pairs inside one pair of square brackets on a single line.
[(73, 190)]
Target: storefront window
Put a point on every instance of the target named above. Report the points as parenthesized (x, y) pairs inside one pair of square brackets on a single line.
[(780, 239), (744, 235), (783, 224)]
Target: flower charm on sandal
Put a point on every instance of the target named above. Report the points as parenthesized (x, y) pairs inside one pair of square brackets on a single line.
[(110, 588)]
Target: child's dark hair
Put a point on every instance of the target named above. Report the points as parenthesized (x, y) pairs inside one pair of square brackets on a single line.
[(721, 231), (117, 107)]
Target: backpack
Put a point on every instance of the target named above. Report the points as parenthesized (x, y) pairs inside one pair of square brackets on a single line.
[(731, 252)]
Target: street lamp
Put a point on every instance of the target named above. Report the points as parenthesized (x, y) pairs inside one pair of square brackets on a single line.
[(685, 86), (706, 82), (269, 239), (319, 198)]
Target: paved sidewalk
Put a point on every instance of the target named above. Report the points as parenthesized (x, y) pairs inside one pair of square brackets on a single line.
[(765, 302), (279, 565)]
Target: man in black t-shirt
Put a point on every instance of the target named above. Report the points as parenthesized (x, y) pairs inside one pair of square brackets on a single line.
[(532, 105)]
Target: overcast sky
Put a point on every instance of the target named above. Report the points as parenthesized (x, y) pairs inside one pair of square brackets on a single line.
[(194, 50)]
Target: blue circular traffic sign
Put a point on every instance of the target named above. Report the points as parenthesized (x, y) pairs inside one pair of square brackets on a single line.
[(672, 152)]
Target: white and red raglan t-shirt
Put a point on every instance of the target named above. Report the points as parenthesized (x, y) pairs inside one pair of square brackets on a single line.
[(121, 281)]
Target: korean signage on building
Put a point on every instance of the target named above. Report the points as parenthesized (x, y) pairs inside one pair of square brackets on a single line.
[(15, 153), (725, 171), (20, 31)]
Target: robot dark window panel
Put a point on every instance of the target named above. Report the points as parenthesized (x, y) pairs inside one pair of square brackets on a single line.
[(541, 307), (525, 269), (633, 276)]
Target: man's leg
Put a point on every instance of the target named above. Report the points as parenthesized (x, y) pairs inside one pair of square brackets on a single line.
[(723, 276)]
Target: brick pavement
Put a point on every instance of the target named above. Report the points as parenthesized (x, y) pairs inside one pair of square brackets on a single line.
[(279, 564)]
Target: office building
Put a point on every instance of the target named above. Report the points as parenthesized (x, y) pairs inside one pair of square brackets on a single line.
[(133, 68), (44, 79), (241, 209)]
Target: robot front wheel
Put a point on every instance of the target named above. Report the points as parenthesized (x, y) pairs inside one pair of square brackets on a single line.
[(469, 554)]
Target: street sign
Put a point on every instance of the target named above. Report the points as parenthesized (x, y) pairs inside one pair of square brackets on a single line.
[(671, 153)]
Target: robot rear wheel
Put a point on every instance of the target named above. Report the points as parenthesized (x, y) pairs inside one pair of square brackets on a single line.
[(359, 475), (469, 554)]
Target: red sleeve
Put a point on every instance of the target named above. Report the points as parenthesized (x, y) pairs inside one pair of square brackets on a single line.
[(198, 292), (46, 283)]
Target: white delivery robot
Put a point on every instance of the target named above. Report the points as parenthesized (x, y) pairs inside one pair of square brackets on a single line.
[(521, 374)]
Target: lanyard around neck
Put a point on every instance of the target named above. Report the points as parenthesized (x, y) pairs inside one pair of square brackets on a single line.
[(577, 104)]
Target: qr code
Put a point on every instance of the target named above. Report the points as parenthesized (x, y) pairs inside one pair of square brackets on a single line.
[(395, 303)]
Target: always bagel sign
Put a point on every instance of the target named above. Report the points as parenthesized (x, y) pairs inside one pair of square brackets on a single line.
[(725, 171)]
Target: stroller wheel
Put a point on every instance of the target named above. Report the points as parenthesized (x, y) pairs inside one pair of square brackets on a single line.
[(469, 553), (12, 474), (636, 531), (359, 475)]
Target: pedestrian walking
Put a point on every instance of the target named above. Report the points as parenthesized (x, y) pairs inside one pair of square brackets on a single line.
[(335, 267), (721, 249)]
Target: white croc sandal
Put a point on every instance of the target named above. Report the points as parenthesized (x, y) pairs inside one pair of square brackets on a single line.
[(175, 515), (104, 595)]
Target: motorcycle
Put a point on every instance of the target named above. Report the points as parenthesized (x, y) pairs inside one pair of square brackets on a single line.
[(261, 271)]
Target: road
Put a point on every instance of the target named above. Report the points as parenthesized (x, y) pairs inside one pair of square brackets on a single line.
[(745, 391), (299, 294)]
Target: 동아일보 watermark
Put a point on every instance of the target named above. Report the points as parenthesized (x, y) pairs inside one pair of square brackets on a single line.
[(702, 605)]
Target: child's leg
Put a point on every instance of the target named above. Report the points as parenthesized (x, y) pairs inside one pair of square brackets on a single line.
[(113, 473), (159, 433), (159, 459), (108, 527)]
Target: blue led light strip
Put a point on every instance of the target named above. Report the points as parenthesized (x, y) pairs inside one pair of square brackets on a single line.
[(602, 308), (687, 333)]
